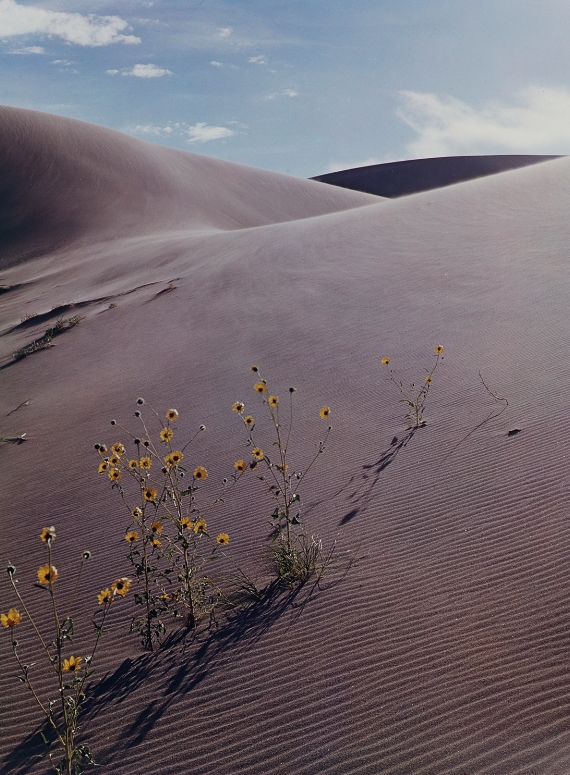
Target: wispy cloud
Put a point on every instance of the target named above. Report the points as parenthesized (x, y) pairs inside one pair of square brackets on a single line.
[(225, 32), (258, 60), (28, 50), (283, 93), (74, 28), (142, 71), (447, 126), (196, 133)]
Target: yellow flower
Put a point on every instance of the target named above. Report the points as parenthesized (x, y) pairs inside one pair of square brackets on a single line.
[(173, 458), (47, 574), (200, 473), (223, 538), (121, 586), (149, 494), (429, 380), (324, 413), (166, 434), (156, 527), (136, 512), (172, 415), (439, 349), (200, 526), (48, 534), (11, 619), (133, 464), (118, 449), (132, 536), (257, 453), (105, 597), (145, 463), (187, 523), (273, 400), (240, 465), (103, 466), (165, 596), (238, 407), (385, 361), (283, 468), (249, 420), (72, 665), (156, 542), (114, 474), (261, 386), (114, 460)]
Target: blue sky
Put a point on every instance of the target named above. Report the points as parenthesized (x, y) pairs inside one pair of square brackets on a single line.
[(299, 87)]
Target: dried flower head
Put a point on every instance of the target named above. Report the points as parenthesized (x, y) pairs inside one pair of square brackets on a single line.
[(240, 465), (47, 574), (438, 349), (136, 512), (223, 538), (102, 449), (156, 527), (149, 494), (200, 526), (257, 453), (105, 597), (202, 427), (11, 619), (121, 586), (428, 379), (200, 473), (260, 386), (132, 536), (140, 401), (273, 400), (156, 542), (72, 665), (172, 415), (48, 534), (254, 369), (238, 407), (385, 361), (166, 434), (324, 413), (10, 569)]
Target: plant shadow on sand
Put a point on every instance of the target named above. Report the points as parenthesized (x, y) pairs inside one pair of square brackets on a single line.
[(184, 660)]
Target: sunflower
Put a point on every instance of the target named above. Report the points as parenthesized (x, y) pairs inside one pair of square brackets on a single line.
[(103, 466), (72, 665), (114, 460), (324, 413), (249, 420), (385, 361), (11, 619), (273, 400), (145, 463), (240, 465), (105, 597), (261, 386), (156, 542), (136, 512), (200, 473), (114, 474), (156, 527), (133, 464), (121, 586), (118, 449), (257, 453), (200, 526), (223, 538), (132, 536), (47, 574), (428, 379), (283, 468), (166, 434), (187, 523), (438, 349), (48, 534), (149, 494), (173, 458), (172, 415), (238, 407)]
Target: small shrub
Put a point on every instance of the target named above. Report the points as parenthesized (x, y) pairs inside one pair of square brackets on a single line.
[(415, 397)]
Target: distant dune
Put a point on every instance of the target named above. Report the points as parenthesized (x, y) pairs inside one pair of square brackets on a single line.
[(401, 178), (439, 642)]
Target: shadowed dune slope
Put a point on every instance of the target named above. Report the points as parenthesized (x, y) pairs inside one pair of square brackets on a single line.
[(439, 643), (63, 180), (401, 178)]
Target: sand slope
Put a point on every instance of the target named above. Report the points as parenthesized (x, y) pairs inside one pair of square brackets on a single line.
[(443, 646)]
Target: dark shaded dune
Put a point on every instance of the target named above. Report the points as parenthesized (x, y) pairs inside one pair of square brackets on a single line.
[(401, 178), (443, 646), (63, 180)]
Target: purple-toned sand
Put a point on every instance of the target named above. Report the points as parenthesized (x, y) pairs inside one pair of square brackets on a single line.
[(439, 642)]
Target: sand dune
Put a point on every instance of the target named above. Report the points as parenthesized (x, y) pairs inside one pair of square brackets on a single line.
[(439, 643)]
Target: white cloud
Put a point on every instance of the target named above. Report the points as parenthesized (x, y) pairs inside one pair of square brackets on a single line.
[(283, 93), (202, 133), (225, 32), (65, 62), (75, 28), (149, 129), (142, 71), (28, 50), (540, 123), (216, 64), (258, 60)]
